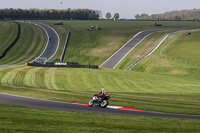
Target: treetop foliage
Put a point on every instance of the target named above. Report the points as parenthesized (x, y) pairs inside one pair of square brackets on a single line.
[(77, 14), (116, 16), (108, 15), (193, 14)]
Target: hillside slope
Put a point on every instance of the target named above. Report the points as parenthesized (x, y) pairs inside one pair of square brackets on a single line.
[(8, 33), (30, 45)]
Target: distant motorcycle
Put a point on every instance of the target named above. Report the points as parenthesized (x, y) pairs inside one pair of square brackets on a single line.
[(102, 103)]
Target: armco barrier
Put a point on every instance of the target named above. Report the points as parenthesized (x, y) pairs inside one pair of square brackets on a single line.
[(65, 47), (13, 43), (67, 65)]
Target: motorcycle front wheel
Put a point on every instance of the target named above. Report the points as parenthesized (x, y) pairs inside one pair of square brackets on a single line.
[(90, 104)]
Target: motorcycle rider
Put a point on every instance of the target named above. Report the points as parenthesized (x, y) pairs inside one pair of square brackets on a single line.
[(101, 94)]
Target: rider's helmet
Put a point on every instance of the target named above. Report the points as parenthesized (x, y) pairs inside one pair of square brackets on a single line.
[(102, 90)]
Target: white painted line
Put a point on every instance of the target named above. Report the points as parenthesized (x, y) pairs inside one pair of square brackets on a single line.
[(46, 44), (131, 50), (158, 45), (114, 107), (120, 48), (58, 41), (150, 52)]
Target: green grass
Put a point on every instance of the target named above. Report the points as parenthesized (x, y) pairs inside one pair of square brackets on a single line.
[(94, 47), (130, 89), (179, 59), (151, 85), (187, 43), (140, 50), (23, 119), (8, 33), (30, 45), (158, 83)]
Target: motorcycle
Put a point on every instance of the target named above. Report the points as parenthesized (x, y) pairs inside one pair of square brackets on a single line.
[(103, 103)]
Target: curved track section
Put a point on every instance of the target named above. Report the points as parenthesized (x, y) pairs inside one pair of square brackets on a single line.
[(114, 60), (48, 104), (148, 53), (52, 43)]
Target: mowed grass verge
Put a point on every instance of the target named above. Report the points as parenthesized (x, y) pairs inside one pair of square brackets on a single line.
[(23, 119), (8, 33), (181, 58), (130, 89), (30, 45), (140, 50), (94, 47)]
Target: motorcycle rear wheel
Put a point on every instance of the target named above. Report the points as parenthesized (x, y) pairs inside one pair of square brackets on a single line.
[(104, 104)]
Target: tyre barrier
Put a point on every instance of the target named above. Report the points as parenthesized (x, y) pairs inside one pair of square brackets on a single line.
[(67, 65), (13, 43)]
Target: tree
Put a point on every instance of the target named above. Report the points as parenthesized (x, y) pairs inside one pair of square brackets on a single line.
[(108, 15), (137, 16), (144, 16), (116, 16)]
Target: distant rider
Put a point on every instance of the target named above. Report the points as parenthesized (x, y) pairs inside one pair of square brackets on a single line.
[(101, 95)]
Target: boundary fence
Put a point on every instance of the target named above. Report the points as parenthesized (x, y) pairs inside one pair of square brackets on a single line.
[(65, 65)]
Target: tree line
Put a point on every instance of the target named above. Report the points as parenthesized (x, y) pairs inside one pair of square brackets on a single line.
[(75, 14), (115, 17), (193, 14)]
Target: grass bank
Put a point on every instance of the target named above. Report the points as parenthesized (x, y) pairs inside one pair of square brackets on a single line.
[(130, 89), (30, 45), (94, 47), (23, 119), (8, 33), (181, 58)]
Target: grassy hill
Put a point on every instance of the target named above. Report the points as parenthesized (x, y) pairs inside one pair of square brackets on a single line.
[(30, 45), (8, 33), (181, 58), (94, 47), (158, 78), (161, 82)]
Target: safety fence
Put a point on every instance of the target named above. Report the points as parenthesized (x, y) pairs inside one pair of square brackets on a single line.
[(66, 65), (65, 47), (191, 62)]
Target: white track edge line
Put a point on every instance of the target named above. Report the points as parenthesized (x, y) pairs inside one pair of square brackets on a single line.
[(121, 48), (58, 42), (131, 49), (46, 44)]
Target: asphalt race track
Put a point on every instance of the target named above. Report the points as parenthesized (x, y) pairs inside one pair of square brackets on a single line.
[(122, 52), (48, 104), (53, 41)]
